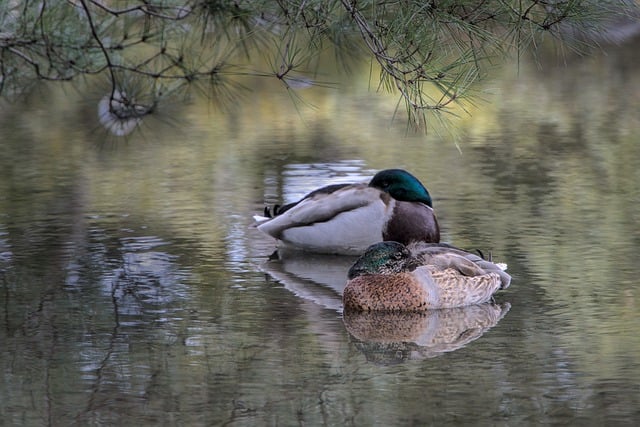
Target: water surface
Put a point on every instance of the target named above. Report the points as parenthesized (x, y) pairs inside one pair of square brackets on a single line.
[(133, 289)]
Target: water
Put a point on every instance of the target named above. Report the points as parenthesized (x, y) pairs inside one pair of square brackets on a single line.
[(134, 291)]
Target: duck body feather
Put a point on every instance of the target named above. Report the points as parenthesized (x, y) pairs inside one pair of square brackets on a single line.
[(393, 277), (425, 288), (344, 221)]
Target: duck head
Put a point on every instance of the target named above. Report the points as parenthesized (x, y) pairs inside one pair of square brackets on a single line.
[(401, 185), (383, 258)]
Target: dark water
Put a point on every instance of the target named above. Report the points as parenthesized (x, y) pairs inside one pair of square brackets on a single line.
[(133, 290)]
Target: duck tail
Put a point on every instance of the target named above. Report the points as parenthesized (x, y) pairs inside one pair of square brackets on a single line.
[(271, 211), (259, 219)]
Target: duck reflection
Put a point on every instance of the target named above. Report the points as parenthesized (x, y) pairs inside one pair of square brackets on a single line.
[(383, 337), (316, 277), (387, 337)]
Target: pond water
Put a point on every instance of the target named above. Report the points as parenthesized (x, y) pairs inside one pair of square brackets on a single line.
[(133, 289)]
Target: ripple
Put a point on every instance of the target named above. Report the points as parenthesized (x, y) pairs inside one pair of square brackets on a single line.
[(141, 243), (301, 178)]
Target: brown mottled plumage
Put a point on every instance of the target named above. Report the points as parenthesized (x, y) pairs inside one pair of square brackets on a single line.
[(393, 277), (373, 292)]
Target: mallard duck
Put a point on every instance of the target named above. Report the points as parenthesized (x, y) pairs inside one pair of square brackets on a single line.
[(347, 218), (390, 276)]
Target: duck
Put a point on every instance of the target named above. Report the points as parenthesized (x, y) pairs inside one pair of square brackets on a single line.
[(345, 219), (391, 276)]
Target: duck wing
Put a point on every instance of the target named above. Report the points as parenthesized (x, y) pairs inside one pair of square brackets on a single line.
[(448, 288), (280, 209), (322, 205), (443, 256)]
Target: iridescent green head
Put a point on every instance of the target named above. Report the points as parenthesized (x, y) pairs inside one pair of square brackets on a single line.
[(401, 185), (383, 258)]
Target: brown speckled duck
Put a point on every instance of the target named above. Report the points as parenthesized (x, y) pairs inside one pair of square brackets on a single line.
[(421, 276)]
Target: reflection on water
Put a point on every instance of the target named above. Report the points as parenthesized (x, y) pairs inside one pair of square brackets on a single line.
[(300, 179), (316, 277), (134, 290), (400, 336)]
